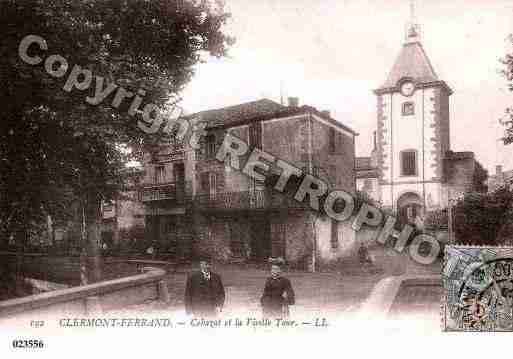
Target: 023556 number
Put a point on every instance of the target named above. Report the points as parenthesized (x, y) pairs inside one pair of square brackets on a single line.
[(27, 343)]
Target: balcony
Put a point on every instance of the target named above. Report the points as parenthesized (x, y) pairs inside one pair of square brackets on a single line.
[(171, 192), (247, 200)]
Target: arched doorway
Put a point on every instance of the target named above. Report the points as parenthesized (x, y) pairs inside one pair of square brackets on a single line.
[(409, 207)]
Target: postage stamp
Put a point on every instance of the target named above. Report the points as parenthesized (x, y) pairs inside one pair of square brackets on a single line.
[(478, 289)]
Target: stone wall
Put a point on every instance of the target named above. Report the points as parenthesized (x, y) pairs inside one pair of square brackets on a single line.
[(214, 235), (287, 139), (336, 168), (88, 299), (460, 168)]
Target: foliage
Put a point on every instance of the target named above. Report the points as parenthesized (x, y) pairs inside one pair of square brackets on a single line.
[(54, 146), (479, 217), (437, 220), (479, 178)]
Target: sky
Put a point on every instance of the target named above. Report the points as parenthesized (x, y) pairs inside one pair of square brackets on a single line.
[(333, 53)]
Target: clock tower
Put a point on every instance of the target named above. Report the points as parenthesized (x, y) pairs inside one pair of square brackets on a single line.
[(412, 131)]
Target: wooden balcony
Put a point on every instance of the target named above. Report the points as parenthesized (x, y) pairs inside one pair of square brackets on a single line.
[(171, 192), (247, 200)]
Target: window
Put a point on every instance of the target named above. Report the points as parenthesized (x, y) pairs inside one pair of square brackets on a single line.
[(409, 163), (169, 226), (208, 183), (212, 184), (408, 108), (205, 182), (334, 234), (179, 174), (332, 140), (255, 135), (210, 143), (160, 174), (279, 240), (236, 241)]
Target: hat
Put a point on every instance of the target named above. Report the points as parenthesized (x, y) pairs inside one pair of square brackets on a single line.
[(279, 261)]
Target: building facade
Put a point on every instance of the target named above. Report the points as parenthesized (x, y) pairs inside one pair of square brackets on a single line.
[(195, 204), (122, 225), (412, 168)]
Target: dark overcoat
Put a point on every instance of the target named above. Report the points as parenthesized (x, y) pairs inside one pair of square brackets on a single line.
[(278, 295), (202, 295)]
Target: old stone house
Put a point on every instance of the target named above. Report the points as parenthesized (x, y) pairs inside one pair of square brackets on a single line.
[(196, 204)]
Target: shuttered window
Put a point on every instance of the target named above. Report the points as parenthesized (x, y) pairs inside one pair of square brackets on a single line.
[(334, 234), (409, 163), (332, 140), (205, 182), (255, 135), (210, 143), (160, 174)]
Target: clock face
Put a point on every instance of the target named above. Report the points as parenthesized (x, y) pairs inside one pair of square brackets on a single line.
[(407, 88)]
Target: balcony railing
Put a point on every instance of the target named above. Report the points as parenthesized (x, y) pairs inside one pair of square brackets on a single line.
[(163, 192), (243, 200), (265, 200)]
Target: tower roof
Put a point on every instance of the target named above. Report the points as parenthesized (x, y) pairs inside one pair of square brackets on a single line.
[(412, 63)]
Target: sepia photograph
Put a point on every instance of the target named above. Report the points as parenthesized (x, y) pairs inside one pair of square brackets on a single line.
[(329, 176)]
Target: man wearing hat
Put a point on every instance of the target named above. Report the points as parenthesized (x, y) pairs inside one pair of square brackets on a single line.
[(278, 292), (204, 292)]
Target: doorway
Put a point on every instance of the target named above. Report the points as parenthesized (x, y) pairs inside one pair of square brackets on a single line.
[(260, 238)]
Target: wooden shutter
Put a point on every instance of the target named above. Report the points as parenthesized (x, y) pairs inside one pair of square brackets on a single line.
[(409, 163)]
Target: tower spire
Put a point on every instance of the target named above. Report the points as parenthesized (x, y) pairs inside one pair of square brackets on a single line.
[(412, 27)]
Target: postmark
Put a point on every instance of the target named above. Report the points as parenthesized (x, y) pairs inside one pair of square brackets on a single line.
[(478, 289)]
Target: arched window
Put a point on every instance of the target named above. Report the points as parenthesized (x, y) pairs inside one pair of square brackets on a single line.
[(408, 108), (409, 163)]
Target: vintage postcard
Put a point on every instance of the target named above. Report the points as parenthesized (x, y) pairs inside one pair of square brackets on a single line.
[(177, 170)]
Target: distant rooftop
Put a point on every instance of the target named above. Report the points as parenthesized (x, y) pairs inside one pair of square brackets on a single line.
[(450, 155), (259, 110), (240, 113)]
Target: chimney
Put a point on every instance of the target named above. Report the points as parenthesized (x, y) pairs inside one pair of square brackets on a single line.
[(293, 101), (326, 113)]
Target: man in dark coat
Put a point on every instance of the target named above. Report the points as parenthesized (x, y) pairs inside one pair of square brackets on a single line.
[(278, 294), (204, 292)]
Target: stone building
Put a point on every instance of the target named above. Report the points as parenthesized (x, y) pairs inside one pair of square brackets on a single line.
[(195, 203), (412, 168), (123, 217)]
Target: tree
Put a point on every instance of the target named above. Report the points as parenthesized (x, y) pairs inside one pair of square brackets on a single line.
[(55, 147), (479, 217)]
